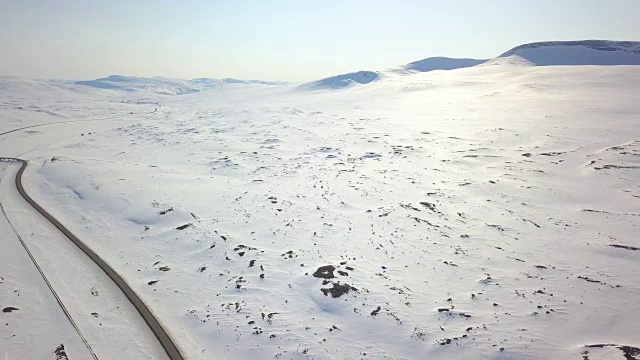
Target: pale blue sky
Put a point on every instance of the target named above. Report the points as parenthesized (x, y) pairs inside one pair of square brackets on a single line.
[(290, 40)]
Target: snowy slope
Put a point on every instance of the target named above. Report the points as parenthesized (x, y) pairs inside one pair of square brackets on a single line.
[(442, 63), (343, 81), (489, 212), (363, 77), (587, 52)]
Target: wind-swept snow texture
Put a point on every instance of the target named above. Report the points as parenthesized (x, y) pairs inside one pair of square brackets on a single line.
[(586, 52), (490, 212)]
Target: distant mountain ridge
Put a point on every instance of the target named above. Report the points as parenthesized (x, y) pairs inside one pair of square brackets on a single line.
[(442, 63), (585, 52), (343, 80), (161, 85), (367, 76), (632, 47), (550, 53)]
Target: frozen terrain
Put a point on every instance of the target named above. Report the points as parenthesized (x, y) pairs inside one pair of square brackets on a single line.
[(487, 212)]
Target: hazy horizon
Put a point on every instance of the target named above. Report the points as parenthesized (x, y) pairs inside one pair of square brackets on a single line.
[(282, 40)]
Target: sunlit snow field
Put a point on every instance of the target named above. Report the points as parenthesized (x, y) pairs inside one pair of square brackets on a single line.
[(489, 212)]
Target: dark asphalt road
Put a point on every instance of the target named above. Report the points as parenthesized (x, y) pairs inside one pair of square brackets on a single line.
[(158, 330)]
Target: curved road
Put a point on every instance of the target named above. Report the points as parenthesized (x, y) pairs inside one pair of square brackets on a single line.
[(158, 330), (70, 121)]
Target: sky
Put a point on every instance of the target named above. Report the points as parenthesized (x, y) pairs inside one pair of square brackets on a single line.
[(285, 40)]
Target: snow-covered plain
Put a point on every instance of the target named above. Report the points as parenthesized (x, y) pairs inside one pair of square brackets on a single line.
[(489, 212)]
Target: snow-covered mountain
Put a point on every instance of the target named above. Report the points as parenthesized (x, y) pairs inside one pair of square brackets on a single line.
[(162, 85), (586, 52), (442, 63), (343, 80), (364, 77)]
